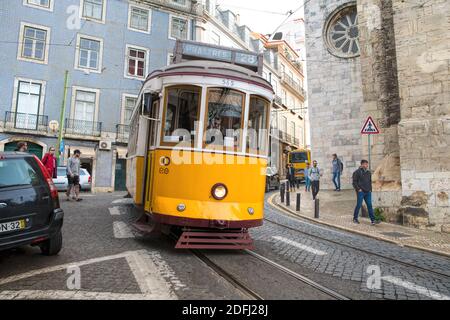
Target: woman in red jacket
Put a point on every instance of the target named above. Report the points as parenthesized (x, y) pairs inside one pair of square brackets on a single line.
[(49, 162)]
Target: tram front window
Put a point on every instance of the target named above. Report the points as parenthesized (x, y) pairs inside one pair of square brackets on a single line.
[(224, 118), (298, 157), (257, 136), (181, 113)]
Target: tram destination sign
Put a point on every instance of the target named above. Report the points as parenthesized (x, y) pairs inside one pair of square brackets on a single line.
[(202, 51), (191, 50)]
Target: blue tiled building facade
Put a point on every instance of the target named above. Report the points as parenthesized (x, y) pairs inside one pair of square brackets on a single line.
[(107, 47)]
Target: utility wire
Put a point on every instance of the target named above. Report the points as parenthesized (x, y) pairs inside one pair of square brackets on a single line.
[(252, 9), (291, 13)]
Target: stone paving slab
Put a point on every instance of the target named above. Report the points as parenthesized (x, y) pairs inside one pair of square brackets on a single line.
[(336, 209)]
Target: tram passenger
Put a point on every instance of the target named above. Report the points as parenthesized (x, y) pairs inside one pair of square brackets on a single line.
[(215, 125)]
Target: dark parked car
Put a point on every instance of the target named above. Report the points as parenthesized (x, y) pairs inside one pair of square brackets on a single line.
[(29, 204), (272, 179)]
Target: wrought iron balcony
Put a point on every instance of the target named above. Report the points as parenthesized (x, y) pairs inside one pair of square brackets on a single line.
[(83, 128), (283, 136), (294, 85), (26, 121), (278, 100), (188, 6), (122, 133), (289, 139)]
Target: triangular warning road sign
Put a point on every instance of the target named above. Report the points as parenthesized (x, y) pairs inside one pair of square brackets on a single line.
[(370, 127)]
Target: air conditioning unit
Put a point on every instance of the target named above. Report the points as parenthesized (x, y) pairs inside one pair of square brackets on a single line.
[(104, 145)]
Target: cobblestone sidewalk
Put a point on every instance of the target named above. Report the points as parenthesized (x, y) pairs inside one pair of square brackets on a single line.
[(336, 209)]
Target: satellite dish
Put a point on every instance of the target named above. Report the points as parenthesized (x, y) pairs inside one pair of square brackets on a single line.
[(278, 36)]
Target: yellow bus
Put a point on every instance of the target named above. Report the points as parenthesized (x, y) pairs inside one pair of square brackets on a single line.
[(299, 158)]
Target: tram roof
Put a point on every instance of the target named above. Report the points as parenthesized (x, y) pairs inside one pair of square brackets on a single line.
[(213, 69)]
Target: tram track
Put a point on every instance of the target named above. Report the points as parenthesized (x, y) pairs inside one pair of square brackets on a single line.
[(355, 248), (244, 288)]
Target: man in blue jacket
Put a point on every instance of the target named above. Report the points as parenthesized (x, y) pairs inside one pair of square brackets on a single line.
[(362, 182)]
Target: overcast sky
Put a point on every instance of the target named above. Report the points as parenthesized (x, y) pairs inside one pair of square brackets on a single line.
[(262, 15)]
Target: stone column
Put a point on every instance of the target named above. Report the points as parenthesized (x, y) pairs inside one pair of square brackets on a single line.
[(381, 100), (334, 96), (422, 33)]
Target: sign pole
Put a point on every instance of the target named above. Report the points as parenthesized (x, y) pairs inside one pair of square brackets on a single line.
[(370, 162), (369, 129)]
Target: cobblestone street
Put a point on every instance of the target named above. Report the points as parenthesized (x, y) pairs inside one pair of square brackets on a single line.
[(116, 262)]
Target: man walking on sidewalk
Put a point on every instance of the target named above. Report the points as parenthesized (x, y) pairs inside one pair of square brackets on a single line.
[(362, 182), (73, 175), (337, 171), (314, 176)]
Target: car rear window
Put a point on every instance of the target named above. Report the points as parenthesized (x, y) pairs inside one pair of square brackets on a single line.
[(18, 172)]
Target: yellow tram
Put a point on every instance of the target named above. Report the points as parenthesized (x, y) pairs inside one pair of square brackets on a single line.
[(198, 152)]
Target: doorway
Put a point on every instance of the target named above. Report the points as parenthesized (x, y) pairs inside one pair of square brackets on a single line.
[(120, 175)]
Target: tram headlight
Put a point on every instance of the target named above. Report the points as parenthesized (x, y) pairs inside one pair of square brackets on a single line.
[(219, 191)]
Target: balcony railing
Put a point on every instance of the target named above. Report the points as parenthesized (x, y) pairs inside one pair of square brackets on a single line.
[(278, 100), (26, 121), (122, 133), (294, 85), (289, 139), (189, 6), (83, 128)]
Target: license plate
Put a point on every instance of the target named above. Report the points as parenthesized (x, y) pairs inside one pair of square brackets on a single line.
[(12, 226)]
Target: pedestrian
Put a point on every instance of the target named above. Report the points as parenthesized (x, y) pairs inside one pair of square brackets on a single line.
[(292, 176), (73, 176), (49, 162), (314, 175), (362, 182), (22, 146), (307, 179), (338, 166), (288, 178)]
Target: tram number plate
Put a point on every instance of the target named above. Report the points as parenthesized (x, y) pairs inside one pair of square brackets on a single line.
[(163, 170), (228, 82)]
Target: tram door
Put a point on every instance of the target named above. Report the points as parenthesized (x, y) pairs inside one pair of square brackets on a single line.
[(152, 141)]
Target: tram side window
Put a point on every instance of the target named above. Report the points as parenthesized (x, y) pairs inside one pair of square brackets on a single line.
[(257, 136), (181, 114), (133, 137), (224, 118)]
